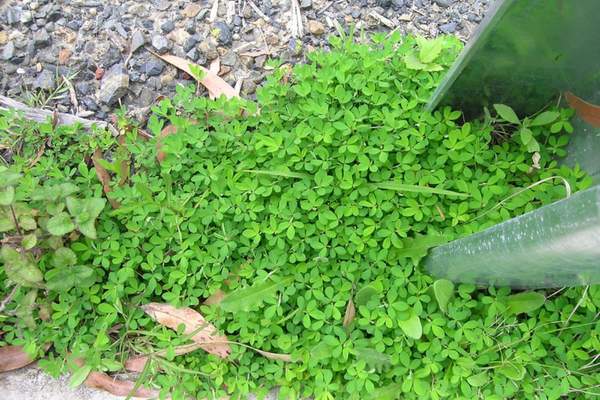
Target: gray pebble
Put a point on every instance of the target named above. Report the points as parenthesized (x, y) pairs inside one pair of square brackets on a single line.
[(153, 67), (114, 85), (305, 4), (137, 40), (13, 15), (148, 24), (74, 25), (41, 39), (190, 43), (167, 26), (229, 59), (84, 87), (224, 33), (9, 51), (450, 27), (192, 54), (443, 3), (161, 43), (26, 17), (45, 80)]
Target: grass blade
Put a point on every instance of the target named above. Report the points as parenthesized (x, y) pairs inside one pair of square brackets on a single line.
[(401, 187), (285, 174)]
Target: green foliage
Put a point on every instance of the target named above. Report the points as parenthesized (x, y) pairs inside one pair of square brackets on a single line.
[(525, 302), (334, 191)]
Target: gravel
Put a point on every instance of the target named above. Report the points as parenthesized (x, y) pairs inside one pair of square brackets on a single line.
[(115, 36)]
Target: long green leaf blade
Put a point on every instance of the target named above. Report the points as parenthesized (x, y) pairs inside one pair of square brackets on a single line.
[(285, 174), (401, 187), (245, 298)]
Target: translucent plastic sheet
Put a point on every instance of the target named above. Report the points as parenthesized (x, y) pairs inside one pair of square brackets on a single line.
[(557, 245)]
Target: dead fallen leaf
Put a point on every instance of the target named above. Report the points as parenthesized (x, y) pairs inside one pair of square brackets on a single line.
[(349, 315), (588, 112), (117, 387), (167, 130), (214, 298), (137, 364), (13, 357), (203, 332), (103, 177), (63, 56), (215, 85), (275, 356), (215, 66), (99, 73)]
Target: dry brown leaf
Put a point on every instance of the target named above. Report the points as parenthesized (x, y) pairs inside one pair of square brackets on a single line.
[(588, 112), (215, 85), (63, 56), (214, 298), (137, 364), (167, 130), (350, 313), (103, 177), (117, 387), (203, 332), (215, 66), (13, 357), (275, 356)]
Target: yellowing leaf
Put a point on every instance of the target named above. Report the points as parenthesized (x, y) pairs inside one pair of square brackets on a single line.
[(350, 314), (215, 85), (443, 290), (203, 333), (525, 302), (411, 326)]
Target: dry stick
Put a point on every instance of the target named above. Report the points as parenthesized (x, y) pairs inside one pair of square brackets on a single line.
[(566, 183), (39, 115), (8, 298), (577, 305)]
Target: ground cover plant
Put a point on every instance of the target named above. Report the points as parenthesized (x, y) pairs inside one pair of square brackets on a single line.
[(277, 243)]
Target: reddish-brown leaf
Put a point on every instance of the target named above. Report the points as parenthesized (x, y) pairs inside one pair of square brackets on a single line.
[(214, 298), (13, 357), (203, 332), (350, 313), (102, 381), (99, 73), (588, 112), (167, 130), (137, 364), (63, 56), (215, 85), (103, 177)]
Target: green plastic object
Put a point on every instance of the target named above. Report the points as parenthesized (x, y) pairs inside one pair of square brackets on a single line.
[(527, 54), (555, 246)]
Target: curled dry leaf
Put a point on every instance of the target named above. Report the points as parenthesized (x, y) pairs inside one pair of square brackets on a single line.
[(167, 130), (350, 313), (102, 381), (13, 357), (137, 364), (203, 332), (103, 177), (117, 387), (215, 85)]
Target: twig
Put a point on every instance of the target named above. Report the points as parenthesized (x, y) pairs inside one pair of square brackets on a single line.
[(39, 115), (257, 10), (577, 305), (213, 11), (8, 298), (72, 94), (296, 27)]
